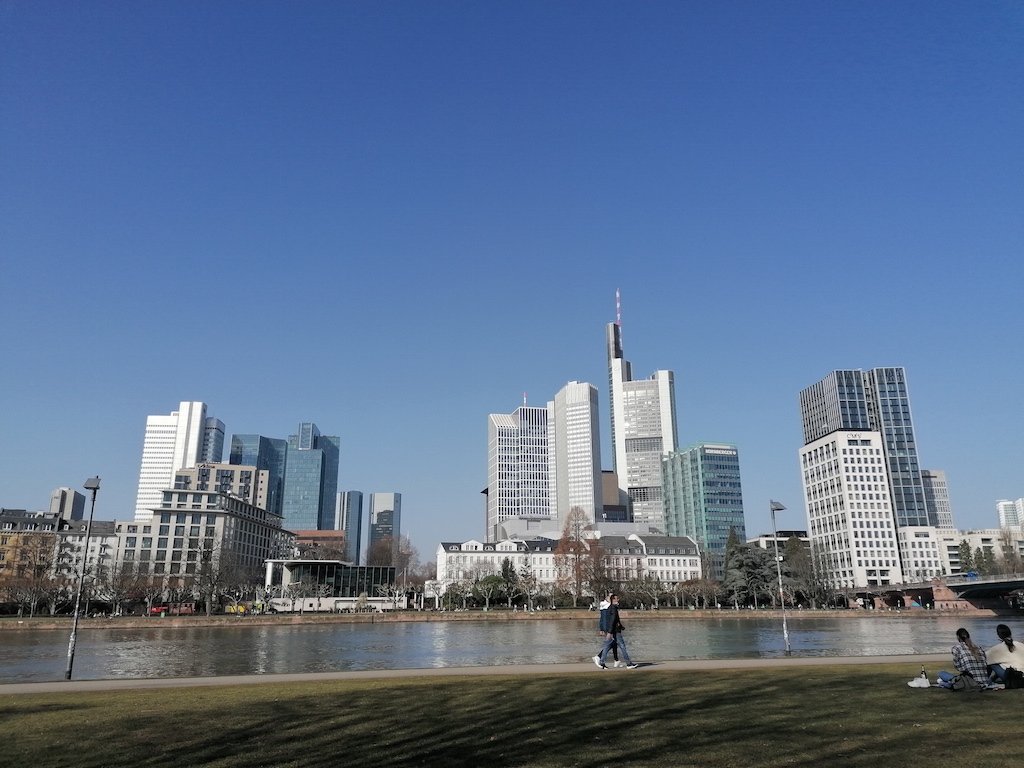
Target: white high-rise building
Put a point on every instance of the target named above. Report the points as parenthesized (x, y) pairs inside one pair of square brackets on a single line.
[(936, 497), (573, 425), (850, 516), (1011, 513), (178, 441), (643, 418), (520, 456)]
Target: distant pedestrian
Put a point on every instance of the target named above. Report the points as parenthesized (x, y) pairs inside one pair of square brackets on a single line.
[(614, 634), (602, 628)]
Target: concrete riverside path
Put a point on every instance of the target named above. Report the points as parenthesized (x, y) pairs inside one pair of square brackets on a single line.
[(914, 663)]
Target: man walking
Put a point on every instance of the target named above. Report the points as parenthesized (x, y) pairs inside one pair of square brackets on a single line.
[(613, 627), (602, 630)]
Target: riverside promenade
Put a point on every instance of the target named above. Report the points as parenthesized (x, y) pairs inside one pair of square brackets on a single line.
[(692, 665)]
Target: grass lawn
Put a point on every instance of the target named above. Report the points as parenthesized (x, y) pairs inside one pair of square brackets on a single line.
[(810, 716)]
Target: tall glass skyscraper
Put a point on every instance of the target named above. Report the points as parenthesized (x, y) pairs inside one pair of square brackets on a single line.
[(643, 418), (875, 400), (704, 498), (303, 475), (310, 479), (263, 453)]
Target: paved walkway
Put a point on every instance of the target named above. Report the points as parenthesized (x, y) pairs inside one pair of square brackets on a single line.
[(913, 664)]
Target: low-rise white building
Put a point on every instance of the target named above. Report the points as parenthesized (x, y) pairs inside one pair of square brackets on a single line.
[(670, 559)]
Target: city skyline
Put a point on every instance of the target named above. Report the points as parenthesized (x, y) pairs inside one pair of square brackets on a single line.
[(430, 209)]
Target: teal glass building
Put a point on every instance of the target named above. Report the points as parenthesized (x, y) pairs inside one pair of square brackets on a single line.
[(704, 499)]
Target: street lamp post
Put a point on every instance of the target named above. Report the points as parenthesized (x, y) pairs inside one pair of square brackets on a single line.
[(776, 507), (92, 484)]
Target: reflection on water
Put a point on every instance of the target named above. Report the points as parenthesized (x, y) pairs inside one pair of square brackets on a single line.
[(239, 650)]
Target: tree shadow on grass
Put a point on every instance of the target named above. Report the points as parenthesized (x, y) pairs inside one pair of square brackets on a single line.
[(803, 717)]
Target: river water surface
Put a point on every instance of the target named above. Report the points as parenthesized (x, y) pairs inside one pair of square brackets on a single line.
[(40, 655)]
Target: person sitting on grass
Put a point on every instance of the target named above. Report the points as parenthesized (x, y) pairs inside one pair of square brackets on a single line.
[(968, 659), (1004, 656)]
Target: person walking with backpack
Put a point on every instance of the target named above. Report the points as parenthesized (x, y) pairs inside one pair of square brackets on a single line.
[(603, 631), (613, 628)]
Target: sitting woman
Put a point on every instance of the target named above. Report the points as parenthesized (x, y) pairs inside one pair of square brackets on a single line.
[(968, 659), (1004, 656)]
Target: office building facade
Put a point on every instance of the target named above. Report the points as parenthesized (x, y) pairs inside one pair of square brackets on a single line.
[(67, 503), (310, 479), (643, 427), (349, 518), (385, 521), (851, 521), (1010, 513), (936, 497), (519, 468), (177, 441), (876, 400), (704, 498), (574, 426), (264, 453)]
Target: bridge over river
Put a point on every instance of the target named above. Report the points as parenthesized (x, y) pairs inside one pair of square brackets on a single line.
[(996, 594)]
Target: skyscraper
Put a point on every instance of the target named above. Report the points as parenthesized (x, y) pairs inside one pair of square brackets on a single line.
[(310, 479), (67, 503), (1010, 513), (849, 513), (643, 420), (936, 497), (178, 441), (518, 468), (349, 519), (704, 498), (385, 522), (876, 400), (265, 453), (573, 423)]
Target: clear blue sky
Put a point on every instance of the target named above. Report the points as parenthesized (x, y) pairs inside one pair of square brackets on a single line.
[(393, 218)]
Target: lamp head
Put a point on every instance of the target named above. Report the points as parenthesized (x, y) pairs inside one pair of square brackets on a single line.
[(776, 507), (92, 484)]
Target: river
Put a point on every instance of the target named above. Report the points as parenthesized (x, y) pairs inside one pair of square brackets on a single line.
[(40, 655)]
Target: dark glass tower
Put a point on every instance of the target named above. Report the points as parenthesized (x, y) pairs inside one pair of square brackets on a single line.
[(263, 453), (311, 480)]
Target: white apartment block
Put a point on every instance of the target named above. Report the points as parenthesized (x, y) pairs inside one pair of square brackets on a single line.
[(671, 559), (177, 441), (573, 425), (849, 513), (1010, 513)]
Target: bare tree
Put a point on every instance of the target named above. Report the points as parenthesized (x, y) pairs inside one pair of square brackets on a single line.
[(116, 583), (381, 553), (529, 585), (571, 555)]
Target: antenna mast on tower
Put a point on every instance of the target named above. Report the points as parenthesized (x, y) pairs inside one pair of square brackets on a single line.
[(618, 315)]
